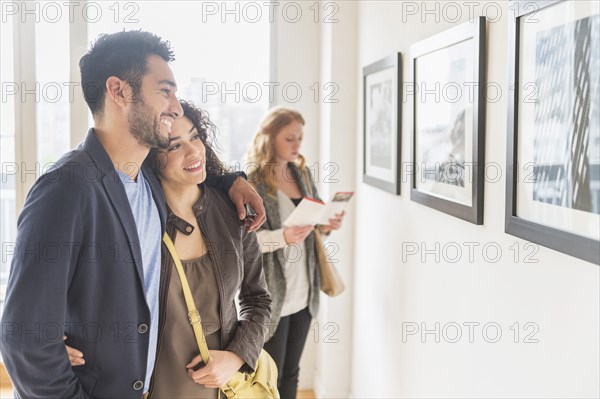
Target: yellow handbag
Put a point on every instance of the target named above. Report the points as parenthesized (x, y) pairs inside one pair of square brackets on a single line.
[(262, 384)]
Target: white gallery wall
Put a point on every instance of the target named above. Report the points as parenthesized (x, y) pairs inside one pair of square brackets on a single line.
[(528, 317), (558, 294)]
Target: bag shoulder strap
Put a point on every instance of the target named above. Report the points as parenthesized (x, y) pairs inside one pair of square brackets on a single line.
[(307, 182), (193, 314)]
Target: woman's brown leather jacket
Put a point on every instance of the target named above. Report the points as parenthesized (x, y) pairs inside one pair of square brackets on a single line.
[(237, 262)]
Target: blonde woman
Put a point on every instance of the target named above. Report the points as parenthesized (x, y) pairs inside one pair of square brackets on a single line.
[(289, 259)]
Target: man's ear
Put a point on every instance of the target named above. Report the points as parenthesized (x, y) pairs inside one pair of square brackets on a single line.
[(117, 90)]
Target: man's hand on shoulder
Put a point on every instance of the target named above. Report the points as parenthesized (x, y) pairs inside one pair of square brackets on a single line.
[(241, 193)]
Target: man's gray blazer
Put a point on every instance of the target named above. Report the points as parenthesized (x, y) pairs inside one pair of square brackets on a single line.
[(77, 269)]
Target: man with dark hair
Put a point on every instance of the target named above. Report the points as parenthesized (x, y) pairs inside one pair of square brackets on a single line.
[(122, 55), (87, 257)]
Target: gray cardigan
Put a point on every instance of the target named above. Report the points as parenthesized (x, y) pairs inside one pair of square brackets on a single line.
[(273, 261)]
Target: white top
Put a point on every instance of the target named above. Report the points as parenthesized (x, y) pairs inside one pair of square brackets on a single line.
[(295, 268)]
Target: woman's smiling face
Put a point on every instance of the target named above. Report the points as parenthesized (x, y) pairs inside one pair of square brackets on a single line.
[(184, 162)]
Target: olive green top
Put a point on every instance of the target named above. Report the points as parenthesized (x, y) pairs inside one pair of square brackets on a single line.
[(178, 345)]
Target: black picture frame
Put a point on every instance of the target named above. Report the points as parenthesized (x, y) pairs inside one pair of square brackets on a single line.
[(567, 242), (473, 212), (392, 133)]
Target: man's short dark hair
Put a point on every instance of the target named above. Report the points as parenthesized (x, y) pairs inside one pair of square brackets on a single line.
[(122, 54)]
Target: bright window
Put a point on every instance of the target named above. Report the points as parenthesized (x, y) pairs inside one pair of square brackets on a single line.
[(222, 67), (8, 209), (52, 77)]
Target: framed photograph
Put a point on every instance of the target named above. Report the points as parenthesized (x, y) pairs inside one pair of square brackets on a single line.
[(382, 121), (449, 120), (553, 151)]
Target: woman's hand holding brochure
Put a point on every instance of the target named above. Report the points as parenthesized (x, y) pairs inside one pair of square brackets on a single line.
[(312, 212)]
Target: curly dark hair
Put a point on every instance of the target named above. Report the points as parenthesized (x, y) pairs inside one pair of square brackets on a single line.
[(122, 54), (208, 134)]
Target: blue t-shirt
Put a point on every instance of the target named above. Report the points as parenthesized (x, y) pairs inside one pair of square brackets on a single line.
[(147, 221)]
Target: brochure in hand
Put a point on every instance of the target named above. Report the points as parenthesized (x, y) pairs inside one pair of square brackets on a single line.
[(311, 212)]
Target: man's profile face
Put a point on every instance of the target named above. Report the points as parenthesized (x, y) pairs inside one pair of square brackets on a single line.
[(156, 108)]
